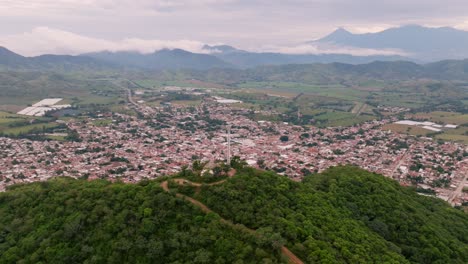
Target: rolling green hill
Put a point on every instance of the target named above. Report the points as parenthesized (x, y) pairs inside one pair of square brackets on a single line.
[(344, 215), (70, 221)]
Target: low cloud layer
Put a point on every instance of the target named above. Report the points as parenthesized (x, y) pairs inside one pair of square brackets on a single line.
[(247, 24), (43, 40), (334, 49)]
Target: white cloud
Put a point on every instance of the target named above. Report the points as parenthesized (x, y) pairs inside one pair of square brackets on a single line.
[(333, 49), (244, 23), (44, 40), (361, 29), (463, 25)]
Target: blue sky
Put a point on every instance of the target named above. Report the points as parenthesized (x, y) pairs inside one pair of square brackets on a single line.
[(74, 26)]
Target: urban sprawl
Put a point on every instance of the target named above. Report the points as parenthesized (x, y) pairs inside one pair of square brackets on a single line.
[(162, 140)]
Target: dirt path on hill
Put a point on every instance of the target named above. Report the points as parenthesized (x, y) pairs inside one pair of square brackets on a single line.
[(293, 259)]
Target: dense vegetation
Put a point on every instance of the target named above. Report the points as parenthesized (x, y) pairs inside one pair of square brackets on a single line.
[(344, 215), (75, 221)]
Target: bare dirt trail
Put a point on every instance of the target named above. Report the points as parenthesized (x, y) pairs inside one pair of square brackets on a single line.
[(293, 259)]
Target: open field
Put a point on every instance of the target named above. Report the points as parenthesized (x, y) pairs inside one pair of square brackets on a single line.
[(444, 117), (55, 137), (7, 118), (155, 84), (123, 109), (102, 122), (28, 128), (407, 129), (286, 94), (335, 91), (13, 123), (414, 94), (186, 102), (21, 89), (336, 118), (459, 135)]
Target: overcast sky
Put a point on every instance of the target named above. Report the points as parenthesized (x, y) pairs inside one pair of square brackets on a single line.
[(32, 27)]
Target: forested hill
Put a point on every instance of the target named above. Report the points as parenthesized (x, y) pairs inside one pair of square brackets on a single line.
[(75, 221), (344, 215)]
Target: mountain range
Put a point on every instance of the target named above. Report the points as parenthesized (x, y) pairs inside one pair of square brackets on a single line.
[(204, 65), (246, 59), (410, 43), (415, 42)]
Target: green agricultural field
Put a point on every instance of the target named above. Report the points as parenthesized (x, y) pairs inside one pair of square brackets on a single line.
[(20, 89), (410, 94), (186, 102), (444, 117), (459, 134), (15, 131), (335, 91), (8, 118), (336, 118), (102, 122), (123, 109), (56, 138), (406, 129), (147, 83), (13, 123)]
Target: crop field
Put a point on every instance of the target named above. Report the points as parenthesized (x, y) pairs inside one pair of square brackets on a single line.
[(444, 117), (147, 83), (337, 118), (56, 137), (335, 91), (123, 109), (18, 124), (11, 123), (155, 84), (459, 135), (7, 118), (102, 122), (407, 129), (269, 92), (28, 128), (186, 102)]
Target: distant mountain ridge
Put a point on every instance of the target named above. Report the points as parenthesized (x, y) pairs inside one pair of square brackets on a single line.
[(163, 59), (204, 64), (217, 57), (247, 59), (418, 42), (408, 43), (12, 61)]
